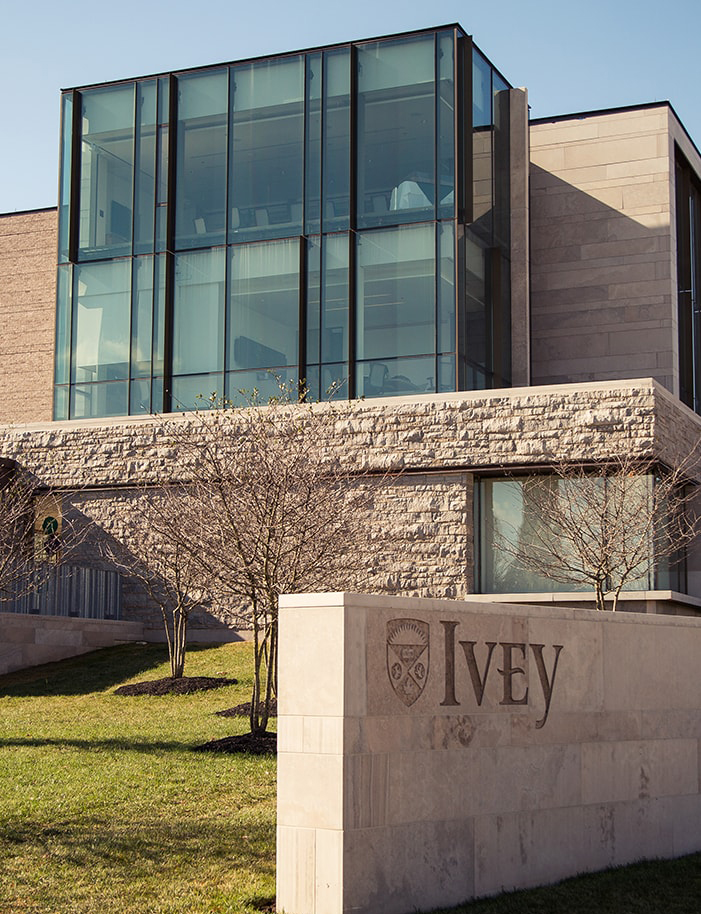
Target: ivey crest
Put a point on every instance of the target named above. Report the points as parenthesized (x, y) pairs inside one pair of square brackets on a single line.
[(408, 654)]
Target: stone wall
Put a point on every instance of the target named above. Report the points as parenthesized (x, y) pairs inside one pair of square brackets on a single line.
[(27, 640), (603, 270), (28, 244), (422, 514), (418, 767)]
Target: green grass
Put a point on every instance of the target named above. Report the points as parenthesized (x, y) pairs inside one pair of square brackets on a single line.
[(104, 807), (654, 887)]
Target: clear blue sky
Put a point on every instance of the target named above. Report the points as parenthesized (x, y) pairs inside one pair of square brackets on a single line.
[(572, 55)]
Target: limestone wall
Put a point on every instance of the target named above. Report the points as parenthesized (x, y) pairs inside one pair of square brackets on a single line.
[(28, 244), (28, 640), (603, 270), (424, 517), (430, 752)]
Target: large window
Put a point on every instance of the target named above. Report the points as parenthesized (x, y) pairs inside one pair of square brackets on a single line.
[(333, 217), (557, 533), (396, 132), (106, 172)]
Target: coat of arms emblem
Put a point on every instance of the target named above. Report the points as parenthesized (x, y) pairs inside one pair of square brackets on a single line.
[(407, 657)]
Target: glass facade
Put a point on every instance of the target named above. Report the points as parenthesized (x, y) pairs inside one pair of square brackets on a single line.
[(338, 217), (560, 522), (688, 204)]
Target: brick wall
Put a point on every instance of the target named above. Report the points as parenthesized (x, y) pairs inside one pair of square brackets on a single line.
[(27, 311)]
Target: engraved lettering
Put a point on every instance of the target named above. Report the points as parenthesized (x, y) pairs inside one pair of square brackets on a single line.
[(546, 683), (478, 681), (449, 633), (510, 671)]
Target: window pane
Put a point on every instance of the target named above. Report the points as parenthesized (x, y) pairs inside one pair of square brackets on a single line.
[(92, 401), (159, 298), (140, 397), (201, 167), (242, 386), (481, 91), (312, 181), (521, 516), (446, 288), (198, 312), (64, 188), (264, 305), (62, 358), (107, 166), (327, 299), (446, 124), (393, 377), (476, 318), (145, 172), (101, 306), (142, 317), (396, 131), (396, 293), (336, 170), (193, 392), (267, 160), (61, 402)]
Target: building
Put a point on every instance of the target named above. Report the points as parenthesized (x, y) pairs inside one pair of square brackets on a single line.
[(487, 291)]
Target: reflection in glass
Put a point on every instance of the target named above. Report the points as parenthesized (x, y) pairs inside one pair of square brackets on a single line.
[(243, 387), (142, 317), (145, 171), (65, 165), (393, 377), (106, 172), (198, 312), (191, 392), (336, 141), (101, 307), (267, 155), (396, 131), (264, 305), (200, 215), (396, 288), (514, 517), (327, 313), (446, 125), (64, 290), (91, 401)]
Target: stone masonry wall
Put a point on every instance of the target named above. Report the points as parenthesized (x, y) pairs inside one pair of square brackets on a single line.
[(424, 516), (27, 312), (603, 275)]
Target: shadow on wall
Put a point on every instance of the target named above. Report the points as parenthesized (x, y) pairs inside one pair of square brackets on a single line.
[(602, 285)]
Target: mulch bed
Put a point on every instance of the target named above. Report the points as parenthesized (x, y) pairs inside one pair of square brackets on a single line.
[(185, 685), (261, 744), (244, 710)]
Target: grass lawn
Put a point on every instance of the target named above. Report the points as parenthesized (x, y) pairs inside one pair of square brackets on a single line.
[(104, 807)]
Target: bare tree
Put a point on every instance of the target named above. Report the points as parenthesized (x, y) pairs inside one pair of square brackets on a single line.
[(16, 529), (144, 545), (601, 528), (270, 509)]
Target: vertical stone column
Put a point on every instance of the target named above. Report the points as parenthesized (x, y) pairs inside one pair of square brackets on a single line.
[(520, 253), (314, 655)]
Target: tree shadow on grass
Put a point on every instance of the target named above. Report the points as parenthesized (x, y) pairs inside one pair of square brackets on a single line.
[(98, 745), (137, 852), (93, 672)]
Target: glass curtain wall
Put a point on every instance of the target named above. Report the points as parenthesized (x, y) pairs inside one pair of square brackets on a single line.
[(688, 200), (292, 217)]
